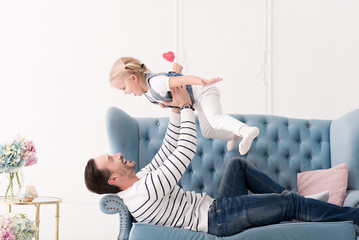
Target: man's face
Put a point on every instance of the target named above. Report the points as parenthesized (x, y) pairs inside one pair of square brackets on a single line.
[(116, 164)]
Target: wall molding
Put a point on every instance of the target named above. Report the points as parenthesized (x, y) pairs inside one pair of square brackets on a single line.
[(265, 67), (179, 34), (266, 62)]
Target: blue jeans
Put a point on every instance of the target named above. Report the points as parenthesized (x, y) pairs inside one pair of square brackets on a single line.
[(234, 210)]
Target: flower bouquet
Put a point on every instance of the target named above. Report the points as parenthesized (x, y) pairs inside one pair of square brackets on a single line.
[(17, 227), (13, 156)]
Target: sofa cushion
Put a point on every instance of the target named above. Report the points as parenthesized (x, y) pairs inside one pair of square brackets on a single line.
[(142, 231), (300, 231), (283, 231), (335, 180)]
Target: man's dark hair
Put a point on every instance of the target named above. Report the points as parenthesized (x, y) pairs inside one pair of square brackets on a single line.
[(97, 180)]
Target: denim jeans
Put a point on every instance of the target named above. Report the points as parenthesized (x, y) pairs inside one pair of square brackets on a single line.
[(234, 210)]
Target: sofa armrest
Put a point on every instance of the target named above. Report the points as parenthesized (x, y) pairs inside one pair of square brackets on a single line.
[(344, 140), (113, 204), (352, 199)]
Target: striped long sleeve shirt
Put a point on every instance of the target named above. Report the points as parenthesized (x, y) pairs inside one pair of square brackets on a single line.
[(156, 198)]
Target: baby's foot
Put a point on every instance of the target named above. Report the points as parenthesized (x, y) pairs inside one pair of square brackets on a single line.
[(231, 144), (248, 134), (323, 196)]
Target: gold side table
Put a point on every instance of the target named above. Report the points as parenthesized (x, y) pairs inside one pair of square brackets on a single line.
[(37, 202)]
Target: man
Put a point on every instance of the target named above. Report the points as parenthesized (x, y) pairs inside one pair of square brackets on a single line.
[(153, 197)]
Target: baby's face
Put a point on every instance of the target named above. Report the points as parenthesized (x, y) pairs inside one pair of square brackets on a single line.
[(128, 84)]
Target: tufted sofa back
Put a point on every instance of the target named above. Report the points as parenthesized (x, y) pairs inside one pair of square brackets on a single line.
[(283, 148)]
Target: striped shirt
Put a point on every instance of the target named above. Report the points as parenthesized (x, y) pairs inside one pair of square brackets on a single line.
[(156, 198)]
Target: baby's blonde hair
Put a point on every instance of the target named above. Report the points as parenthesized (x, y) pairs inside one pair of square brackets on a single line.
[(126, 66)]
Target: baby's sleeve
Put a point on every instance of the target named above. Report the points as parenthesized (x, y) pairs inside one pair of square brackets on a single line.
[(160, 84)]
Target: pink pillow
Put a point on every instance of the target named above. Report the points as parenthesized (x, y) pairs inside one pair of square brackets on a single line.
[(335, 180)]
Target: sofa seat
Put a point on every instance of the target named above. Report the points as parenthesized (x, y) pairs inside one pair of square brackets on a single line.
[(284, 231)]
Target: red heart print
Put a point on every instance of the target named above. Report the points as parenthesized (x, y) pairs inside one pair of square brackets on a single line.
[(169, 56)]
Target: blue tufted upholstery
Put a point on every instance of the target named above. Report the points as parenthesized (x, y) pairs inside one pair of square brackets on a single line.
[(284, 147)]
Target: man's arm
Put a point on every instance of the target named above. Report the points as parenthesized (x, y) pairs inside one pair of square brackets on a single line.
[(176, 164), (169, 143)]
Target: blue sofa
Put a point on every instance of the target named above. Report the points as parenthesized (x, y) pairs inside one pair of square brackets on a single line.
[(284, 147)]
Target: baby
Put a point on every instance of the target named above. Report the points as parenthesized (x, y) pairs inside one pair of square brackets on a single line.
[(131, 76)]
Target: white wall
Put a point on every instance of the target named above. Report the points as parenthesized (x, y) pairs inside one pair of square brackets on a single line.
[(289, 58), (315, 58)]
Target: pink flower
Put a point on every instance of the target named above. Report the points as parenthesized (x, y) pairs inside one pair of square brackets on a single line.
[(5, 222), (29, 153), (7, 234), (31, 160)]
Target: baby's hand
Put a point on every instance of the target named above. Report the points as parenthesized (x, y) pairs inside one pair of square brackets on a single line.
[(177, 68), (211, 81)]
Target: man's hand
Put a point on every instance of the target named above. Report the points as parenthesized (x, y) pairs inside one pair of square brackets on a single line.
[(180, 97), (162, 105)]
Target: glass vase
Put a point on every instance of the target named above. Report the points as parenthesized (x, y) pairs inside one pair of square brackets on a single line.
[(13, 181)]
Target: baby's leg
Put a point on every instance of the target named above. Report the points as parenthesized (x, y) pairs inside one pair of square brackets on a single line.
[(210, 110), (248, 134), (213, 123), (208, 131)]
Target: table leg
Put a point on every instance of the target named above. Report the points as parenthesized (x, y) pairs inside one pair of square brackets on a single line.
[(9, 208), (57, 216), (37, 220)]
